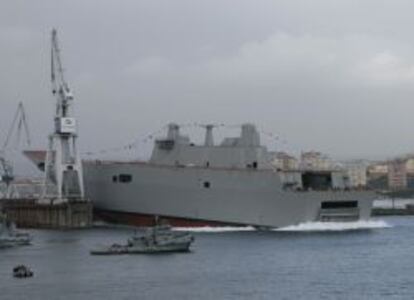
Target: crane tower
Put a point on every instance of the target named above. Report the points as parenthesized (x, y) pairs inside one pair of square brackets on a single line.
[(63, 166)]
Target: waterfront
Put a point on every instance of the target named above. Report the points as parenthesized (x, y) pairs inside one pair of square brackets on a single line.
[(297, 263)]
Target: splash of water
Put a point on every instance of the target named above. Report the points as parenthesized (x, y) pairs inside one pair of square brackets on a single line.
[(336, 226), (303, 227)]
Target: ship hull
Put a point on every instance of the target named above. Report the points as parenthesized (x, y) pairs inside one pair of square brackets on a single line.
[(196, 196), (148, 220)]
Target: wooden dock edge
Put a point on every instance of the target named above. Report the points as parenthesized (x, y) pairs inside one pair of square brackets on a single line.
[(30, 213)]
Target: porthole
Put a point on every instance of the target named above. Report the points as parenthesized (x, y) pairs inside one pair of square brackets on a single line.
[(125, 178)]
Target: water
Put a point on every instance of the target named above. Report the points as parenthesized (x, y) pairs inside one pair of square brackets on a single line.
[(372, 260)]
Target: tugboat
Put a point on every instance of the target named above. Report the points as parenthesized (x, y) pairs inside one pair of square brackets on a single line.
[(157, 239), (22, 271), (9, 236)]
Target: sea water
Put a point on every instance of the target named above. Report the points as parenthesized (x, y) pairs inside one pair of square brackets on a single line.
[(361, 260)]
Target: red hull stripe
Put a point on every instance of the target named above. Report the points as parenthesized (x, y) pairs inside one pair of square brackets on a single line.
[(136, 219)]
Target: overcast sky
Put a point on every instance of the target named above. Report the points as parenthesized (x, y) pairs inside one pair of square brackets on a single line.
[(334, 76)]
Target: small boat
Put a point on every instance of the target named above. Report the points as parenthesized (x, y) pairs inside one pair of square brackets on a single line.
[(9, 236), (157, 239), (22, 271)]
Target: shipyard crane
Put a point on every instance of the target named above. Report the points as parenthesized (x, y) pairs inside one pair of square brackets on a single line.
[(18, 124), (63, 165)]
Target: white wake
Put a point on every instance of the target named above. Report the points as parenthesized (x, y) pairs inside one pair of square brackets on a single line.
[(336, 226), (303, 227)]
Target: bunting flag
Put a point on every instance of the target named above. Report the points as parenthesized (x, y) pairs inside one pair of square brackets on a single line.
[(151, 136)]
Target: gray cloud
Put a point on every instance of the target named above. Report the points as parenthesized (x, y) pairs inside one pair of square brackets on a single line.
[(330, 75)]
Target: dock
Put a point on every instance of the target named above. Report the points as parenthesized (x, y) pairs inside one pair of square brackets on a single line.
[(406, 211), (393, 207), (30, 213)]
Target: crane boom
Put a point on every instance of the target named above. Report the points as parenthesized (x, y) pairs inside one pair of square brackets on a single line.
[(60, 87), (19, 123), (57, 67)]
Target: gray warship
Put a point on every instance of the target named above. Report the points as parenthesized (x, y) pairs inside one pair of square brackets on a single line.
[(157, 239), (232, 183)]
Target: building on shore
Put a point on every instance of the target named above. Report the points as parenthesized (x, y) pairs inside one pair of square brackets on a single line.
[(311, 160), (377, 175), (356, 171), (397, 174), (314, 160), (284, 161), (410, 171)]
